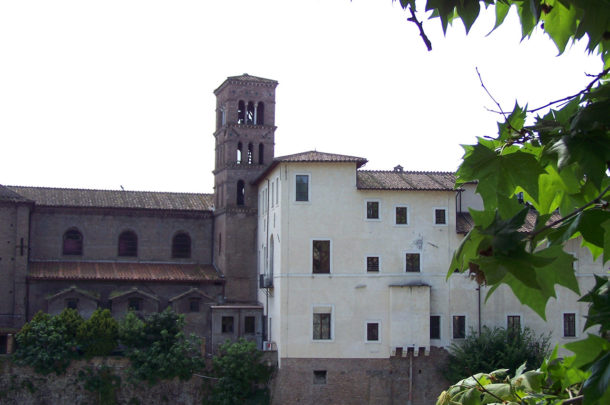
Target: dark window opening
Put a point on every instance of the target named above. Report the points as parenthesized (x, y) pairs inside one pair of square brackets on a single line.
[(227, 324), (250, 113), (302, 187), (319, 377), (261, 154), (260, 114), (513, 323), (321, 327), (372, 209), (440, 216), (250, 154), (398, 352), (128, 244), (3, 344), (412, 262), (73, 243), (241, 112), (435, 327), (239, 146), (321, 256), (401, 215), (372, 332), (249, 325), (134, 304), (569, 325), (181, 246), (194, 305), (459, 326), (72, 303), (372, 263), (241, 192)]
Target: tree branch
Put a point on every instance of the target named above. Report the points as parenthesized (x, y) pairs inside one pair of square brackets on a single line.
[(484, 389), (492, 97), (419, 24)]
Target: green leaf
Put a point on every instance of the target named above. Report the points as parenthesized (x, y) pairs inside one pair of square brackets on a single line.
[(501, 12), (559, 22), (587, 350), (468, 10)]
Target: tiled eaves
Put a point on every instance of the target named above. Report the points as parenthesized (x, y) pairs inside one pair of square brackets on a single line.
[(405, 180)]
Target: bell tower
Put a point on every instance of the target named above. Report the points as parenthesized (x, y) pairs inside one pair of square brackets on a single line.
[(245, 133)]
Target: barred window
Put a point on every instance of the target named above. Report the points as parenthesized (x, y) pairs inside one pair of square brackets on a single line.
[(372, 263), (569, 325), (321, 326), (412, 263)]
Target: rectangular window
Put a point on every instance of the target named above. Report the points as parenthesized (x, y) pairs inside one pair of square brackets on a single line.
[(513, 323), (249, 325), (569, 325), (401, 215), (319, 377), (372, 264), (321, 256), (372, 210), (302, 187), (440, 216), (227, 324), (459, 326), (372, 332), (194, 305), (72, 303), (134, 304), (412, 263), (435, 327), (321, 326)]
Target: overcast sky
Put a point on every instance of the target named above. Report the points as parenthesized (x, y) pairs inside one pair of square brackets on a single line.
[(103, 94)]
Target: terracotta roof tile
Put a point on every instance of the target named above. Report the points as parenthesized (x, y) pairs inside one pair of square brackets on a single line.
[(70, 197), (404, 180), (465, 222), (122, 271), (315, 156)]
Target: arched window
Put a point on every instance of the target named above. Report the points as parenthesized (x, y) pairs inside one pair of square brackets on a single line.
[(239, 146), (181, 246), (128, 244), (250, 113), (260, 113), (241, 192), (261, 154), (73, 243), (250, 153), (241, 112)]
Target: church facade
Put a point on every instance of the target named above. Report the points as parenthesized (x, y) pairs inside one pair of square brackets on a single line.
[(339, 270)]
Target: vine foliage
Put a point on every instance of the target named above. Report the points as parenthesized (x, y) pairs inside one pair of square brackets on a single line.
[(557, 157)]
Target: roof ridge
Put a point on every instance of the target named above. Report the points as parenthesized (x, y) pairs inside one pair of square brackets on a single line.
[(406, 171), (108, 190)]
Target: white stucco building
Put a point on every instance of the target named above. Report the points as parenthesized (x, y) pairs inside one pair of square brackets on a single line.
[(353, 264)]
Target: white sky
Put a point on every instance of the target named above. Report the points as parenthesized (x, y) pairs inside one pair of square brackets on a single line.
[(99, 94)]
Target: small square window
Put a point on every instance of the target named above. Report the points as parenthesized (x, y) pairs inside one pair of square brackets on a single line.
[(412, 263), (569, 325), (321, 326), (440, 216), (194, 305), (459, 326), (372, 264), (372, 332), (302, 187), (321, 256), (72, 303), (227, 324), (372, 210), (319, 377), (134, 304), (401, 215), (435, 327), (249, 325), (513, 323)]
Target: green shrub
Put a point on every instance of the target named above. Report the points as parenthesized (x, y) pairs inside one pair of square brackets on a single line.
[(98, 335), (495, 349), (48, 343), (157, 347), (242, 376)]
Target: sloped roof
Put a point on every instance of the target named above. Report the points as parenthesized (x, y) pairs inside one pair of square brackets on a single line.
[(260, 81), (404, 180), (6, 194), (71, 197), (465, 222), (322, 157), (122, 271)]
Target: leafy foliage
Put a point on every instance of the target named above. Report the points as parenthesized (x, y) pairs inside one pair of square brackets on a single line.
[(48, 343), (560, 165), (102, 382), (98, 335), (494, 349), (157, 347), (242, 376)]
